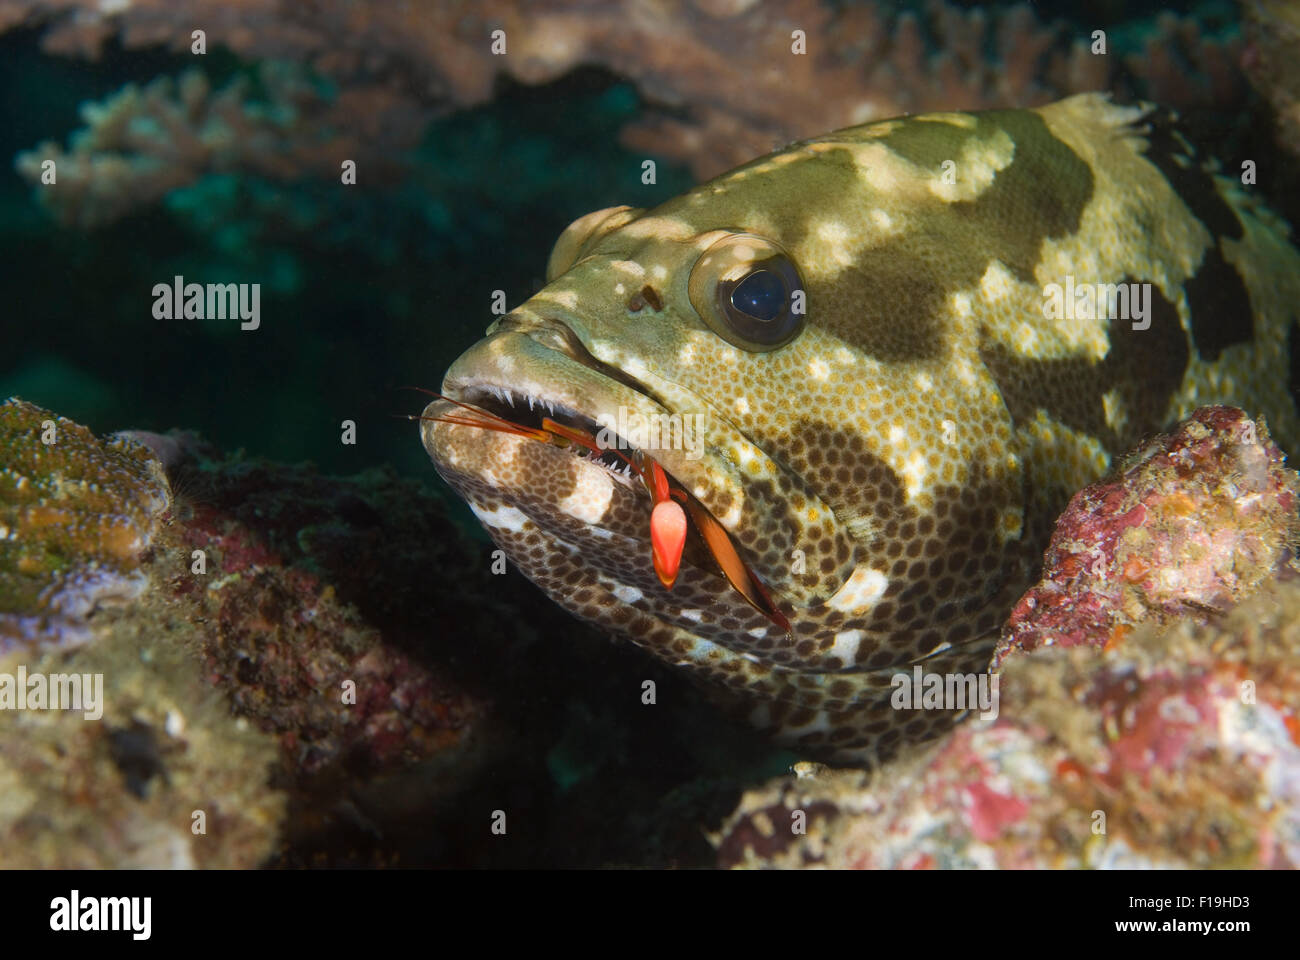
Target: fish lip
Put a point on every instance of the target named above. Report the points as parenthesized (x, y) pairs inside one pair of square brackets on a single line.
[(561, 387), (475, 391), (552, 333)]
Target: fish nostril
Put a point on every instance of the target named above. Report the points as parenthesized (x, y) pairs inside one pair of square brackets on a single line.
[(514, 320)]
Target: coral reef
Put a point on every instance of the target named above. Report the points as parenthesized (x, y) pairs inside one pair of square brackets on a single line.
[(723, 82), (1272, 61), (282, 546), (167, 777), (232, 682), (140, 764), (144, 142), (1191, 523), (1176, 749), (77, 516), (1146, 713)]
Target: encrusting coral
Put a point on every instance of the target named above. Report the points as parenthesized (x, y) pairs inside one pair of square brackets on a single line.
[(146, 766), (231, 682), (77, 515), (1192, 523), (722, 81), (1177, 749)]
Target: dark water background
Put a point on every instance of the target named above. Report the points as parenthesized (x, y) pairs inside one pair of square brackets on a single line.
[(364, 290)]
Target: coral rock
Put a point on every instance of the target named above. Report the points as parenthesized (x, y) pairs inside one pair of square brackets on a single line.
[(1189, 524), (1180, 749), (77, 516), (235, 682)]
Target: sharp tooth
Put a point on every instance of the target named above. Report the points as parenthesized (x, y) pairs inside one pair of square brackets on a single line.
[(510, 399), (530, 401), (551, 407)]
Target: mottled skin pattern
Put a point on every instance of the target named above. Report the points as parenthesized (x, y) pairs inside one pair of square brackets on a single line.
[(892, 473)]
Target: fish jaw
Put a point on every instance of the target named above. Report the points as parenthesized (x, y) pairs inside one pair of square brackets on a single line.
[(576, 525)]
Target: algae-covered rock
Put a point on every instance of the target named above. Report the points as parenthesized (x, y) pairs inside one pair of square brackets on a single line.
[(227, 699), (77, 516), (1188, 524), (1178, 748), (114, 752)]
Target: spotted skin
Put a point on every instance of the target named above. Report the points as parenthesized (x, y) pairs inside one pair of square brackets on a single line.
[(892, 473)]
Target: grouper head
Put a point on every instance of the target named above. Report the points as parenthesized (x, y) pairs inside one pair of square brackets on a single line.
[(794, 342)]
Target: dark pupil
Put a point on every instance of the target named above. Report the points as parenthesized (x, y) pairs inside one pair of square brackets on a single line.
[(761, 295)]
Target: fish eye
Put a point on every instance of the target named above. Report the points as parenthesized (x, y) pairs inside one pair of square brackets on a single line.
[(579, 236), (748, 291)]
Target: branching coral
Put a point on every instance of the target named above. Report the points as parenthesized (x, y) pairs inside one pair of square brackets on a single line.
[(724, 80), (1272, 60), (145, 141)]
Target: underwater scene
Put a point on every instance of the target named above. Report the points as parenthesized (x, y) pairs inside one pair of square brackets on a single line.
[(649, 433)]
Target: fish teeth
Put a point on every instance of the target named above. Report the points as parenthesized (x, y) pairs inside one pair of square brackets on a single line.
[(530, 402), (510, 399)]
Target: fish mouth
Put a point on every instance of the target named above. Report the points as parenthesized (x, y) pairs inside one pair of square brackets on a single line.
[(523, 374), (529, 426), (530, 412), (527, 406)]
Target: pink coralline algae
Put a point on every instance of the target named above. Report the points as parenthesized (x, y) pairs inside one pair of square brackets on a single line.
[(77, 516), (307, 667), (1148, 708), (1189, 524), (1180, 749)]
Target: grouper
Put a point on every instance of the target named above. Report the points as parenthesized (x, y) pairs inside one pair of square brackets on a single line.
[(807, 427)]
